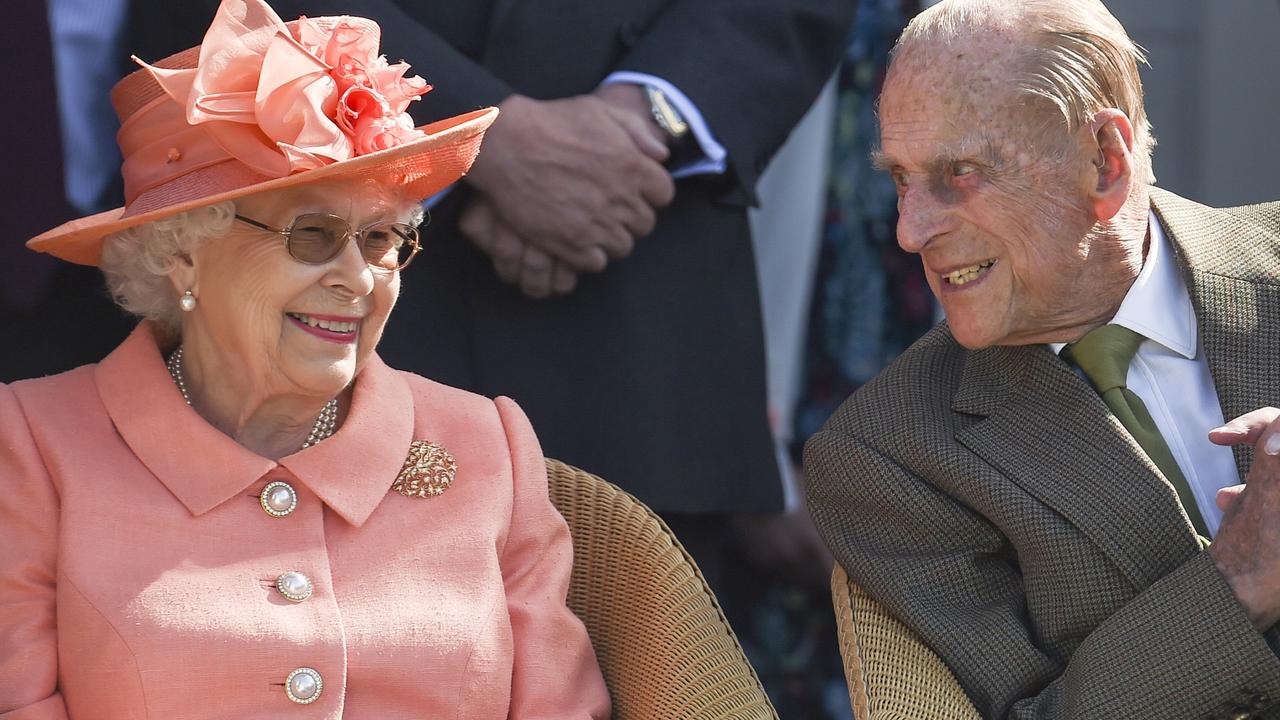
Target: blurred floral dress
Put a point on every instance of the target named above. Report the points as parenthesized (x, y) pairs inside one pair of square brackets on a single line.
[(871, 300), (870, 303)]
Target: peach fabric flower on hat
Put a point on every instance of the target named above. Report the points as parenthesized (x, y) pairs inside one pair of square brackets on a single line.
[(284, 101)]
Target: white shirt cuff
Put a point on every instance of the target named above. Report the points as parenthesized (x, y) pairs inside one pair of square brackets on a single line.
[(714, 156)]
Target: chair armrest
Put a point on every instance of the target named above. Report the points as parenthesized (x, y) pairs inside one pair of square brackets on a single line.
[(892, 675)]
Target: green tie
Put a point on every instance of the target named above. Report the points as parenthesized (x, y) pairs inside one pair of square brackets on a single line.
[(1104, 356)]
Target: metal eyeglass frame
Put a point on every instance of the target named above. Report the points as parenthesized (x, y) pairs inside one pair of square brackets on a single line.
[(357, 235)]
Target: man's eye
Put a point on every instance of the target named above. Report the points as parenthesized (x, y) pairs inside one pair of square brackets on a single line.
[(899, 178), (962, 169)]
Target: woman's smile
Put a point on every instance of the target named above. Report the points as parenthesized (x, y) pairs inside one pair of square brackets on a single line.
[(333, 328)]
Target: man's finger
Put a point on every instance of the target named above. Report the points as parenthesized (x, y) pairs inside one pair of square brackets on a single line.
[(535, 273), (591, 258), (1227, 496), (656, 186), (507, 252), (615, 240), (563, 280), (640, 219), (476, 223), (645, 140), (1247, 428)]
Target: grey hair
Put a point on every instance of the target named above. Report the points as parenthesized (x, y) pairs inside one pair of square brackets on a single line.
[(137, 261), (1082, 60)]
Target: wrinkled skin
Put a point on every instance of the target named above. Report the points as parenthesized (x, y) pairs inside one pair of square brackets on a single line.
[(1247, 547), (566, 186), (985, 175), (251, 371)]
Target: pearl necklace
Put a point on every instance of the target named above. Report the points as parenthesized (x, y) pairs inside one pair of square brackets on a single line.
[(325, 424)]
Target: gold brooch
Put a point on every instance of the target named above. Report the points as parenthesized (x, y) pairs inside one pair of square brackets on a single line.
[(427, 472)]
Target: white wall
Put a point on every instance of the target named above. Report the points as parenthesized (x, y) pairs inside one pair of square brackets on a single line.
[(1213, 93)]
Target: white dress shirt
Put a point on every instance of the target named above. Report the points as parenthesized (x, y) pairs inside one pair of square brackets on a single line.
[(1171, 375)]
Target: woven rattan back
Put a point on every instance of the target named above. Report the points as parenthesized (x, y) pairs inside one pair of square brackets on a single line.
[(892, 675), (662, 641)]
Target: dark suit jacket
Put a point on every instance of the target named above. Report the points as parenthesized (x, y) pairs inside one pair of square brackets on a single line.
[(651, 373), (991, 501)]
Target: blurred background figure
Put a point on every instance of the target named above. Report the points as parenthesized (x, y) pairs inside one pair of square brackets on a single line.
[(88, 54), (840, 300), (36, 293), (869, 298)]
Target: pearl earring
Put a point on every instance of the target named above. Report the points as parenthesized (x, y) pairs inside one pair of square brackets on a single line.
[(187, 302)]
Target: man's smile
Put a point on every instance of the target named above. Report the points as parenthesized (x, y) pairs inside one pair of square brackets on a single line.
[(966, 275)]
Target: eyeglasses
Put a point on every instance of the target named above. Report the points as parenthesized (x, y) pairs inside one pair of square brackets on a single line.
[(317, 238)]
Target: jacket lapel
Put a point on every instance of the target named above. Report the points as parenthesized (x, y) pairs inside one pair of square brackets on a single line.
[(1231, 268), (1047, 431)]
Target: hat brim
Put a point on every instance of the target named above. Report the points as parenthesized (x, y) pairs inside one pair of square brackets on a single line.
[(423, 167)]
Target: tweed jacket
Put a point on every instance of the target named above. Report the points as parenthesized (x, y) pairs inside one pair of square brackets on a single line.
[(137, 565), (991, 501)]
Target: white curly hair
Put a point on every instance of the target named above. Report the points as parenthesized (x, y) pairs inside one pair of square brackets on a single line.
[(137, 261)]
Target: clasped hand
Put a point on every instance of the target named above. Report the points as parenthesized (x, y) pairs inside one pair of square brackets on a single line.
[(565, 186)]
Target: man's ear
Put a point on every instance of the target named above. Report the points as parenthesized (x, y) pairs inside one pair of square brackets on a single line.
[(1111, 179)]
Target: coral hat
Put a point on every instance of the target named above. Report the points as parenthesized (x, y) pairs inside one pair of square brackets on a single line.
[(264, 105)]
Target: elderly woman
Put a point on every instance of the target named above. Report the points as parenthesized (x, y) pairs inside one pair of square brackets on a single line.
[(242, 508)]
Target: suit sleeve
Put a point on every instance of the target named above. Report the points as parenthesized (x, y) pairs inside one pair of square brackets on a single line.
[(555, 671), (752, 68), (1183, 645), (28, 571)]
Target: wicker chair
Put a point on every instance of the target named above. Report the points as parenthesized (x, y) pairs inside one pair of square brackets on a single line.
[(662, 641), (892, 675)]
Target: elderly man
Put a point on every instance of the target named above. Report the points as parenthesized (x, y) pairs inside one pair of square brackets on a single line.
[(1032, 486)]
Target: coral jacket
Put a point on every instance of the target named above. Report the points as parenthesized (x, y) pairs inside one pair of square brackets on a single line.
[(138, 568)]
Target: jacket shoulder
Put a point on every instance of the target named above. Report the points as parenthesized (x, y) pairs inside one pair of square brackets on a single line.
[(1239, 242), (915, 390), (1265, 215), (444, 396), (446, 411), (70, 390)]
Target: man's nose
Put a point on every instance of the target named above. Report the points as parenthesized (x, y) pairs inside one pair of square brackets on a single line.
[(920, 219)]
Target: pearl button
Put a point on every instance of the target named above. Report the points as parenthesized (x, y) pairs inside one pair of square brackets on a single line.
[(303, 685), (278, 499), (294, 586)]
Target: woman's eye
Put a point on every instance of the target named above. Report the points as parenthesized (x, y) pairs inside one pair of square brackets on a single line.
[(378, 239)]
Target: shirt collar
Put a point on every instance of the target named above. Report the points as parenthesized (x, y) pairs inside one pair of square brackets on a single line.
[(1158, 305), (351, 472)]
